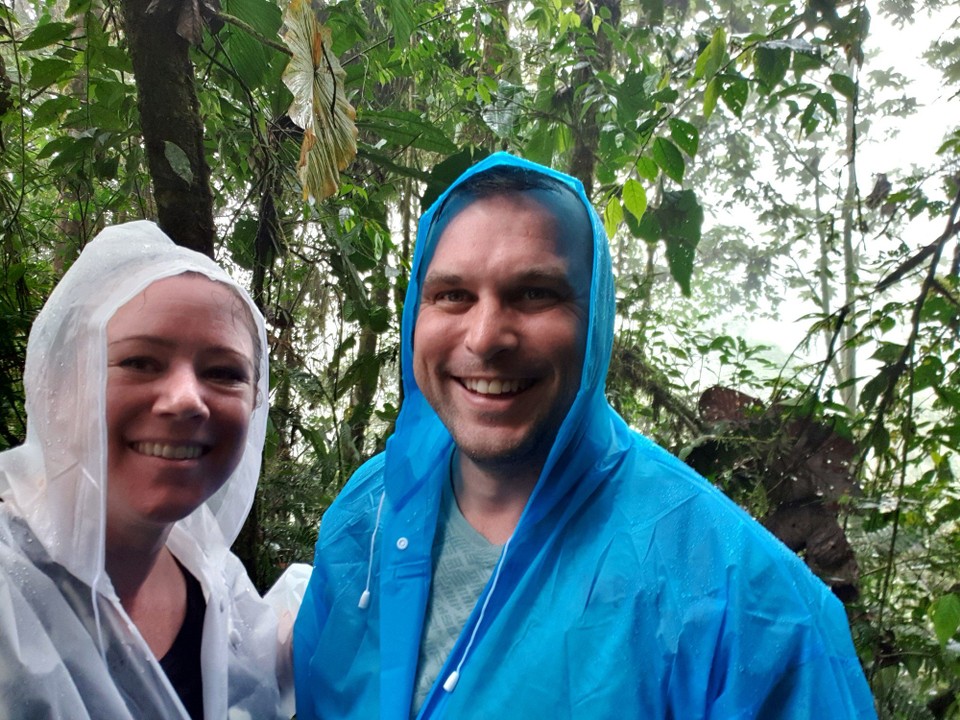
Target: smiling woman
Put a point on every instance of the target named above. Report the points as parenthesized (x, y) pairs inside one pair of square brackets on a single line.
[(119, 597)]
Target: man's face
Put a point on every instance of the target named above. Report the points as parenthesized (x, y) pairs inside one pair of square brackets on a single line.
[(499, 340)]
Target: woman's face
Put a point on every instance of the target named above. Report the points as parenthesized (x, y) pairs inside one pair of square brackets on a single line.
[(180, 394)]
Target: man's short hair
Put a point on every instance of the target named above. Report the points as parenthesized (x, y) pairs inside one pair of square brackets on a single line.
[(555, 195)]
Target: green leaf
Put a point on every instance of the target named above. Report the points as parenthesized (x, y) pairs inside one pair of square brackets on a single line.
[(445, 172), (48, 34), (804, 60), (402, 20), (48, 71), (685, 135), (929, 373), (735, 94), (874, 388), (844, 85), (52, 110), (71, 152), (634, 198), (678, 222), (771, 66), (647, 168), (612, 216), (888, 353), (179, 161), (666, 96), (77, 7), (710, 97), (406, 129), (945, 613), (632, 98), (668, 157), (713, 56)]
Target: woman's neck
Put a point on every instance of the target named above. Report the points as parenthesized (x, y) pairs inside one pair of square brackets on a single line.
[(150, 584)]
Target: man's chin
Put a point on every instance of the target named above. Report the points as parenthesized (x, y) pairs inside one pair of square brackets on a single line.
[(504, 454)]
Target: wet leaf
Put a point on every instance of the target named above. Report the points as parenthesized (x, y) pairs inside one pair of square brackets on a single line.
[(319, 106), (178, 161)]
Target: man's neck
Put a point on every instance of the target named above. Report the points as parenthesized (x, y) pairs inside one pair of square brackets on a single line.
[(492, 499)]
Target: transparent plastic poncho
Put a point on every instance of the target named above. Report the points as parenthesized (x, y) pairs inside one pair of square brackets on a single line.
[(67, 648)]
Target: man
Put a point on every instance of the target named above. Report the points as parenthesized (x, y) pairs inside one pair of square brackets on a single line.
[(518, 551)]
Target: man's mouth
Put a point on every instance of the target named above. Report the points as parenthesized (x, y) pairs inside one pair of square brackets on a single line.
[(169, 451), (484, 386)]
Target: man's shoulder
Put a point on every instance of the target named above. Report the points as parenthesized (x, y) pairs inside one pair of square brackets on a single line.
[(359, 496)]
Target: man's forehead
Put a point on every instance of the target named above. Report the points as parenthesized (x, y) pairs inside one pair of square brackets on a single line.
[(571, 229)]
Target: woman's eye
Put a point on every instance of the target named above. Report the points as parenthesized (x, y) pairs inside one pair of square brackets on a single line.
[(228, 374), (139, 362)]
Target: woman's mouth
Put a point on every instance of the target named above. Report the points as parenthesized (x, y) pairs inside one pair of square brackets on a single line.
[(188, 451)]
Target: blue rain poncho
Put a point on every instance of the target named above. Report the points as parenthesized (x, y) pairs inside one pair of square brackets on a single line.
[(630, 588)]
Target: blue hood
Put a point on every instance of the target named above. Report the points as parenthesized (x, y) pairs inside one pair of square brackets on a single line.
[(421, 442)]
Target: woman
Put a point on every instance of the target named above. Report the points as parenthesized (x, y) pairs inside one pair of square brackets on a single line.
[(146, 385)]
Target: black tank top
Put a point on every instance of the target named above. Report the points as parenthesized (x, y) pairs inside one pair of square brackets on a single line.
[(182, 661)]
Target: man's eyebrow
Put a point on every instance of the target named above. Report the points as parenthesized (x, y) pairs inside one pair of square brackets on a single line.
[(434, 277), (544, 273)]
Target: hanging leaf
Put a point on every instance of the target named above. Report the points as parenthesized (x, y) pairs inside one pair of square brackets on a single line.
[(634, 198), (319, 106), (178, 161), (945, 612)]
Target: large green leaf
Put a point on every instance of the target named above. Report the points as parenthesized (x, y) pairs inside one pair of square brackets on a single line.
[(770, 65), (445, 172), (685, 135), (678, 223), (713, 56), (634, 198), (668, 157), (401, 19), (47, 71), (406, 129), (945, 613), (47, 34)]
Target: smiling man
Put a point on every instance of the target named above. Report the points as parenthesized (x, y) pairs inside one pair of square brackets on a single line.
[(518, 551)]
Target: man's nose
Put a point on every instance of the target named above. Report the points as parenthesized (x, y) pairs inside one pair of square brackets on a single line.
[(180, 394), (490, 329)]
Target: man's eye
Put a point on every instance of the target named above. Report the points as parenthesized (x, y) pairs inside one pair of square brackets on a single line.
[(538, 295), (451, 296)]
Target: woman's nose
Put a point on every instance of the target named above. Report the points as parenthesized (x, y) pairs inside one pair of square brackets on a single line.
[(490, 329), (180, 393)]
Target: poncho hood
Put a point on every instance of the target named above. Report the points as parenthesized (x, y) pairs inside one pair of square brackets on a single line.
[(421, 441), (57, 480)]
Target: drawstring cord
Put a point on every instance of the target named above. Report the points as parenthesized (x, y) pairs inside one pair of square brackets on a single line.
[(365, 596), (453, 678), (450, 684)]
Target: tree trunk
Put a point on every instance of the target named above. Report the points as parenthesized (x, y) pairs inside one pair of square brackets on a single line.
[(586, 130), (850, 260), (170, 123)]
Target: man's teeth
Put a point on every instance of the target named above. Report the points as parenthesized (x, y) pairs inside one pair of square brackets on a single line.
[(169, 452), (495, 387)]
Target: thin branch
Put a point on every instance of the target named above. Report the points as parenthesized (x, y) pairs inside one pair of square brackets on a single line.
[(250, 30)]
